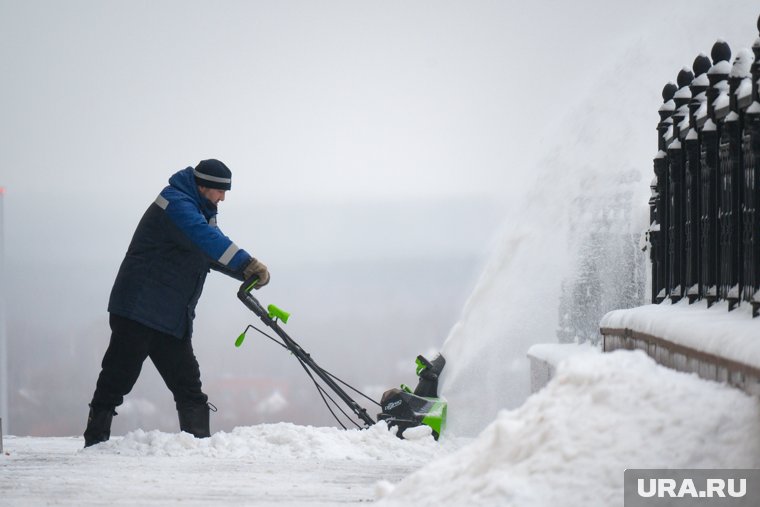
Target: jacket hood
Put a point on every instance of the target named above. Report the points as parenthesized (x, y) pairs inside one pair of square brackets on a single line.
[(184, 181)]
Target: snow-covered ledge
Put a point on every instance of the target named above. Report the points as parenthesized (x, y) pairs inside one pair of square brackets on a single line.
[(712, 342), (544, 358)]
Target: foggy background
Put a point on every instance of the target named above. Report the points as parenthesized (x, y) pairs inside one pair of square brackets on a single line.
[(376, 150)]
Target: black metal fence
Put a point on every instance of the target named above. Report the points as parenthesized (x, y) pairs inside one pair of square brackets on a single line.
[(705, 205)]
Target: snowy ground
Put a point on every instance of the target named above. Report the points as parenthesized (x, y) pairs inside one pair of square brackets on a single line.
[(279, 464), (567, 445)]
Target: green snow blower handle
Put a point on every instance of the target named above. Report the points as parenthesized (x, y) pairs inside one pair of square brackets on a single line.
[(249, 284), (240, 338), (278, 313), (272, 313)]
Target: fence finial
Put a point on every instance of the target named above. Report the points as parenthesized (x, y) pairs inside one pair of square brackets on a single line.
[(701, 64), (668, 91), (685, 77), (721, 51)]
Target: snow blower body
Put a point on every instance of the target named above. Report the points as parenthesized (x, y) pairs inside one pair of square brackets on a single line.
[(401, 407), (406, 408)]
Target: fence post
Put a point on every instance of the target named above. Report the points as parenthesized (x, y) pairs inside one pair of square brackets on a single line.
[(675, 186), (729, 152), (718, 73), (654, 234), (658, 231), (751, 189), (692, 182)]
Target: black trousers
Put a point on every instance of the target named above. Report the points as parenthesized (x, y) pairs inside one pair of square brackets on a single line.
[(131, 343)]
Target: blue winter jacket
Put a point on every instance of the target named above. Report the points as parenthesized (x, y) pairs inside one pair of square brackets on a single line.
[(176, 242)]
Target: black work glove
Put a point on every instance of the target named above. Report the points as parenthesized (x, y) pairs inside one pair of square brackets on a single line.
[(259, 270)]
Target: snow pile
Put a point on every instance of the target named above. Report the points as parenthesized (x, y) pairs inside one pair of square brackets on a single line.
[(570, 443), (281, 441), (732, 335)]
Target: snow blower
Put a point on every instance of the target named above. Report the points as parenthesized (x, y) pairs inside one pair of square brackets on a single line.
[(401, 407)]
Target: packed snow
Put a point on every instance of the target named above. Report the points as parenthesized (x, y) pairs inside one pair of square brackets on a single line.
[(268, 464), (567, 445), (282, 441), (732, 335)]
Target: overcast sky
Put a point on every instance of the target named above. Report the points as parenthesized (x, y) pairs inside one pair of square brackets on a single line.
[(311, 104), (301, 99)]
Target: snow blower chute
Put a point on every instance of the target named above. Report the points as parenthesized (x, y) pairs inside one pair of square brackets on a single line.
[(401, 408)]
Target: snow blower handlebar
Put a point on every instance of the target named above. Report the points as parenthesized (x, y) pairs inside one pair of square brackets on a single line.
[(244, 295), (272, 312), (270, 317), (401, 408)]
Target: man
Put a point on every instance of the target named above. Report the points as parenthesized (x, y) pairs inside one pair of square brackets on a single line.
[(153, 299)]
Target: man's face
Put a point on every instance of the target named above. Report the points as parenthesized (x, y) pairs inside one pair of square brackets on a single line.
[(212, 194)]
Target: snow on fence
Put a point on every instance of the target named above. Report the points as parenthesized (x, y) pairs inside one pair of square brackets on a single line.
[(682, 358), (711, 342), (704, 237)]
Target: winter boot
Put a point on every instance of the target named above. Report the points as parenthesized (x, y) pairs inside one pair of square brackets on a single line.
[(98, 425), (194, 419)]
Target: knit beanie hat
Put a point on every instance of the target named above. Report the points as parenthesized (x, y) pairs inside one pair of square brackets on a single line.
[(212, 173)]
